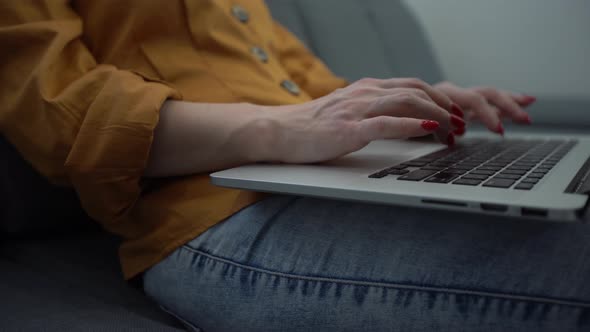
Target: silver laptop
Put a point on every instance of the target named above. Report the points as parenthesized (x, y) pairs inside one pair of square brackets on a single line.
[(526, 175)]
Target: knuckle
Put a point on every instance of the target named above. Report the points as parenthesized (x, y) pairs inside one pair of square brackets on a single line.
[(416, 83), (380, 125), (353, 105), (421, 93), (476, 99), (367, 81), (491, 92), (362, 91), (406, 99)]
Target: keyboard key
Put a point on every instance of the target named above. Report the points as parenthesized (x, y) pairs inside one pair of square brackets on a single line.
[(400, 166), (475, 177), (520, 168), (467, 182), (414, 163), (443, 163), (499, 183), (514, 172), (433, 168), (456, 170), (508, 176), (524, 186), (482, 172), (541, 170), (418, 175), (523, 164), (398, 171), (490, 168), (378, 175), (536, 175), (530, 180), (442, 177), (465, 167)]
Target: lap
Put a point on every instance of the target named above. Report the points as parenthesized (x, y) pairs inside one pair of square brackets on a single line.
[(291, 263)]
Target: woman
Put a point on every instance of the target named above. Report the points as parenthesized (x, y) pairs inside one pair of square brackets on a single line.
[(134, 103)]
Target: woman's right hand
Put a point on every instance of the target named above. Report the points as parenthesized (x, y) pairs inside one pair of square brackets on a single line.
[(350, 118)]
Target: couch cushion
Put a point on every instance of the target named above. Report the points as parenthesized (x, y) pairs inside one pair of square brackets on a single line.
[(29, 202), (71, 282)]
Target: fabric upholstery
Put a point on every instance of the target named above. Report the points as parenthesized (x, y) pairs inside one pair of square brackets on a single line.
[(29, 202), (59, 281), (360, 38)]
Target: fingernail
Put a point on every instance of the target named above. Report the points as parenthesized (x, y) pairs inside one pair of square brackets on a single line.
[(528, 99), (457, 121), (430, 125), (459, 131), (456, 109), (451, 140), (500, 129)]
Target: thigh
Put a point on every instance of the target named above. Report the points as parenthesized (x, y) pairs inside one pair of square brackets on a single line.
[(289, 263)]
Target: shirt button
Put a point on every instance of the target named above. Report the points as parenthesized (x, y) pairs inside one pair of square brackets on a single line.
[(259, 53), (291, 87), (240, 13)]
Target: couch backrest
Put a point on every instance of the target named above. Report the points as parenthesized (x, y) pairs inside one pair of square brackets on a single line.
[(383, 38), (381, 34)]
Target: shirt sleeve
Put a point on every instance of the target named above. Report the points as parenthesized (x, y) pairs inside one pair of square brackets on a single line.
[(309, 72), (76, 121)]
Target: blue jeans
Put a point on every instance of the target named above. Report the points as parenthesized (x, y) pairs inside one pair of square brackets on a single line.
[(304, 264)]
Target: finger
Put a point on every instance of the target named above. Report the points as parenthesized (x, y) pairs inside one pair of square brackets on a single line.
[(437, 96), (403, 104), (409, 103), (477, 103), (388, 127), (505, 103), (523, 100)]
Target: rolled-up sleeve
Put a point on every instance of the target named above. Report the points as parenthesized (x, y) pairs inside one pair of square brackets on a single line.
[(309, 72), (76, 121)]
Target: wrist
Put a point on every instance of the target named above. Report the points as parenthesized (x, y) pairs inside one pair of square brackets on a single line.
[(261, 135)]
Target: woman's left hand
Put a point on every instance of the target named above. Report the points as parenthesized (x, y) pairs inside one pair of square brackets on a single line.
[(488, 105)]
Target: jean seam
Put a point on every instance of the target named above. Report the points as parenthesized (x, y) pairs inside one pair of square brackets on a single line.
[(456, 291), (185, 322)]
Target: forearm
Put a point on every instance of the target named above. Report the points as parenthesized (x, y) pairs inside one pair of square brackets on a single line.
[(196, 137)]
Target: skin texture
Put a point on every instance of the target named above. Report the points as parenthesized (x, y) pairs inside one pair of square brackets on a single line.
[(190, 136)]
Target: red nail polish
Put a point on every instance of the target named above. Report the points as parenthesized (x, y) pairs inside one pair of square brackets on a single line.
[(527, 100), (459, 131), (430, 125), (457, 121), (500, 129), (455, 109), (451, 140)]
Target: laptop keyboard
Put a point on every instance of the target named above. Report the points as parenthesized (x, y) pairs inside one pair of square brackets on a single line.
[(510, 163)]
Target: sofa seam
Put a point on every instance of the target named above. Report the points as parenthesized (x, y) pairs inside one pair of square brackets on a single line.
[(447, 290)]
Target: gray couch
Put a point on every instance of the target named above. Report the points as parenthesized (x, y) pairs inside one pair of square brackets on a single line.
[(59, 271)]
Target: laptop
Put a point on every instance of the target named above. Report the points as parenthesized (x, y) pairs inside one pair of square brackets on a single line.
[(534, 176)]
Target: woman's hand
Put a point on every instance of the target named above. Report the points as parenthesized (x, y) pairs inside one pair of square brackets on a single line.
[(488, 105), (199, 137), (350, 118)]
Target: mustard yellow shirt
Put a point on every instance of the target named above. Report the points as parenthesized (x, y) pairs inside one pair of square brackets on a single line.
[(83, 82)]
